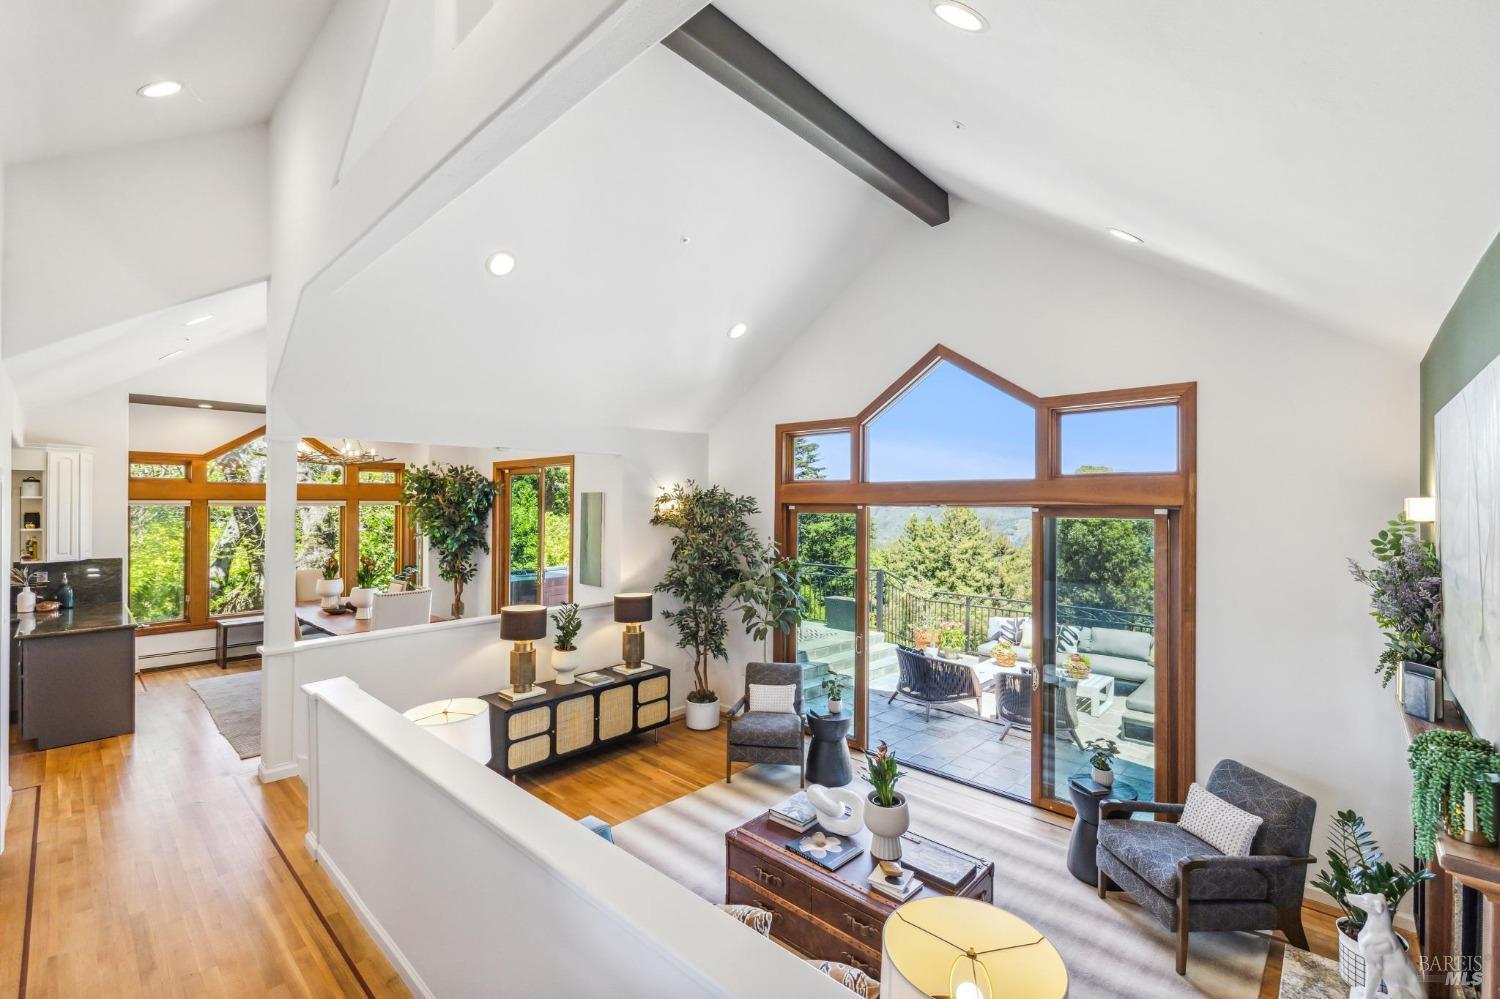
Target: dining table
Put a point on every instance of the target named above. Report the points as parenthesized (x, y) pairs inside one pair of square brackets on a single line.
[(312, 614)]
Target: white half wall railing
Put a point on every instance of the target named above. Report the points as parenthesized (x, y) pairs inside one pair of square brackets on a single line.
[(473, 887)]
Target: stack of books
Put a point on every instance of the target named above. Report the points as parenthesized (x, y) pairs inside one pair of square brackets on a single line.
[(899, 887), (796, 813)]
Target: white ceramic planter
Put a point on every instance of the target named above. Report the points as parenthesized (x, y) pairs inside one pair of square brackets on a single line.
[(362, 598), (703, 716), (1104, 778), (564, 663), (25, 600), (1352, 962), (836, 707), (886, 825), (330, 590)]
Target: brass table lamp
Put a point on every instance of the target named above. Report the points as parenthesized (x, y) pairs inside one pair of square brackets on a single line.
[(523, 624), (633, 610)]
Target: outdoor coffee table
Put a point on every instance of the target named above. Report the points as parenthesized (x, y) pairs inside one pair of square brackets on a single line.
[(1099, 688)]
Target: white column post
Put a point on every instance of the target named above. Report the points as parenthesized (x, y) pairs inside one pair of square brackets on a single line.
[(278, 687)]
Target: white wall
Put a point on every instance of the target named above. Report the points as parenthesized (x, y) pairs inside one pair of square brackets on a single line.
[(98, 238), (1305, 441), (472, 886)]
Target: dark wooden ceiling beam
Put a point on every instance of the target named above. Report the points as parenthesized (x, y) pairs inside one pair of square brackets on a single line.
[(734, 57)]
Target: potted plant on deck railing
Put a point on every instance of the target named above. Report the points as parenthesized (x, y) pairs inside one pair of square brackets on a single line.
[(713, 548), (1356, 867), (331, 586), (1406, 597), (568, 623), (450, 506)]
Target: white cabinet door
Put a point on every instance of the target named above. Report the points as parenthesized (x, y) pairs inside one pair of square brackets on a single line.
[(86, 504), (62, 505)]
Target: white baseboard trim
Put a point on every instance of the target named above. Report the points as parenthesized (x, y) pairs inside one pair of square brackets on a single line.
[(372, 925), (270, 775)]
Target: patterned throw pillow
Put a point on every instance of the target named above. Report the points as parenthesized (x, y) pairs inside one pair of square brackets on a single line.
[(1224, 827), (849, 977), (766, 697), (753, 916)]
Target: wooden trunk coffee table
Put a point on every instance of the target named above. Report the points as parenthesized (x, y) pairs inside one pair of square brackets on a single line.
[(823, 914)]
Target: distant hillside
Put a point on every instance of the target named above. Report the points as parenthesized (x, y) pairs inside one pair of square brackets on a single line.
[(1012, 522)]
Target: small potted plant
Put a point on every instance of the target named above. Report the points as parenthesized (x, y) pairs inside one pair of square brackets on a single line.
[(1356, 867), (921, 638), (1450, 787), (25, 596), (1102, 754), (362, 596), (1078, 666), (950, 637), (833, 686), (568, 624), (886, 815), (331, 586)]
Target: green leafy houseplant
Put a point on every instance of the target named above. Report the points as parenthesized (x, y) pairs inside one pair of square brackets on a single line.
[(1102, 753), (568, 622), (882, 771), (1357, 867), (450, 505), (834, 686), (331, 568), (713, 548), (1444, 765), (1406, 597), (771, 600)]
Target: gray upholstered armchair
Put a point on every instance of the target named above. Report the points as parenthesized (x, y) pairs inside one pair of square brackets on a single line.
[(1188, 885), (766, 736)]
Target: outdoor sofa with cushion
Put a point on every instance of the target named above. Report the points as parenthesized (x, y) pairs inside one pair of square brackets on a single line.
[(1125, 655)]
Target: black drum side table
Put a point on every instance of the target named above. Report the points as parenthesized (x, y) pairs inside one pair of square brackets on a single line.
[(828, 754), (1084, 845)]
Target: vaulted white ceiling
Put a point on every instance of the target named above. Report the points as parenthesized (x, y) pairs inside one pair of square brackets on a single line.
[(70, 68), (1340, 156), (646, 222)]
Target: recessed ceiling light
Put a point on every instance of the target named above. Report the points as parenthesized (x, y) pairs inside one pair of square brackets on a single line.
[(170, 353), (500, 264), (738, 330), (160, 88), (1128, 237), (199, 320), (205, 405), (959, 15)]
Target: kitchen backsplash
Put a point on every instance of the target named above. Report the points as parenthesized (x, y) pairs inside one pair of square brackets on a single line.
[(94, 581)]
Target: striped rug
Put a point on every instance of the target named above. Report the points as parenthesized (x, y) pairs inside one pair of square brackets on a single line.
[(1111, 948)]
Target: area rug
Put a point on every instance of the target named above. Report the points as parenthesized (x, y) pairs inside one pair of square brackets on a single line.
[(1111, 948), (1305, 975), (234, 704)]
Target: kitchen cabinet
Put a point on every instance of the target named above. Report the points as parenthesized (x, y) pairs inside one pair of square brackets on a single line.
[(69, 494)]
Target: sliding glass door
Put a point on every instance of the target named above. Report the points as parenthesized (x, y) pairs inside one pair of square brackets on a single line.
[(1106, 661), (830, 641)]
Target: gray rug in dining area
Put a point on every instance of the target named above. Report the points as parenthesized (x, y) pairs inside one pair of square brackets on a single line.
[(233, 702), (1111, 948)]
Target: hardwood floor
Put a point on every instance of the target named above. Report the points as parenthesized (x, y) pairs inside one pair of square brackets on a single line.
[(163, 867), (157, 872)]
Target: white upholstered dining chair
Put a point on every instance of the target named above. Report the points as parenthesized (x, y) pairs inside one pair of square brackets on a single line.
[(398, 610)]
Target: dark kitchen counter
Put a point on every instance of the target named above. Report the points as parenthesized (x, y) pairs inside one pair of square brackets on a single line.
[(79, 620)]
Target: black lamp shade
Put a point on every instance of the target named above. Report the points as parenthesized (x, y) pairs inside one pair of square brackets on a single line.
[(632, 608), (523, 623)]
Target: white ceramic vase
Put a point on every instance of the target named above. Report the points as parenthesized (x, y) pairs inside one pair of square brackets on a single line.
[(886, 825), (25, 600), (1104, 778), (564, 665), (703, 716), (362, 598), (330, 590)]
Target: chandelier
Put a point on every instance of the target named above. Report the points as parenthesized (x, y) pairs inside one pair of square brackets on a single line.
[(346, 451)]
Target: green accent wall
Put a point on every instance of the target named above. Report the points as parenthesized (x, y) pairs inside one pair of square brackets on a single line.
[(1466, 343)]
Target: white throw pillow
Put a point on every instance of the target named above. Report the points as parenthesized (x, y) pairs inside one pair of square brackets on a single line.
[(765, 697), (1224, 827)]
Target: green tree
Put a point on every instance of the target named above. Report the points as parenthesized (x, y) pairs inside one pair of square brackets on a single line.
[(158, 558), (377, 542), (450, 505), (955, 552), (1106, 562), (805, 459), (236, 558)]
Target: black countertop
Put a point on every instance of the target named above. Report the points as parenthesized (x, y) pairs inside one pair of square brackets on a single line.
[(89, 617)]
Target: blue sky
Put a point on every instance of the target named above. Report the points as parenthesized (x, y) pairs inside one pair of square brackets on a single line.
[(1126, 440)]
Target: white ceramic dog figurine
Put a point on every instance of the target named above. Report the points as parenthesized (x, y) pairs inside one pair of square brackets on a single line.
[(1385, 958)]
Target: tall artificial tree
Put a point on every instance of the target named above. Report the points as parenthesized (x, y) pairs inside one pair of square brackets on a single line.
[(450, 505), (714, 548)]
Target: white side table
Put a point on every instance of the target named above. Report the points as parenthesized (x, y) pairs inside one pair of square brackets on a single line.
[(461, 722), (1099, 688)]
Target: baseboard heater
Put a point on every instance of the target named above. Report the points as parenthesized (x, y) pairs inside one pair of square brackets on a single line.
[(209, 655)]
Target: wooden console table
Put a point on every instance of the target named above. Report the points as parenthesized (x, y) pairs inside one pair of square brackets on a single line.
[(825, 915), (568, 720), (1474, 867)]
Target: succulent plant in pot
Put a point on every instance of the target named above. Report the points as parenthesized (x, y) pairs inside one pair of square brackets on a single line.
[(886, 815), (568, 622)]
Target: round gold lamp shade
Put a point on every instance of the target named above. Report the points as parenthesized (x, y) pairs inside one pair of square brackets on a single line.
[(523, 624), (633, 610), (966, 949)]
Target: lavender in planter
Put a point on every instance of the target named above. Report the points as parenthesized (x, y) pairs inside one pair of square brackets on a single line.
[(1406, 597)]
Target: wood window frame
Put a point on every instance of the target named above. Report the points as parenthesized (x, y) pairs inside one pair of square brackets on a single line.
[(198, 493), (1175, 492), (502, 473)]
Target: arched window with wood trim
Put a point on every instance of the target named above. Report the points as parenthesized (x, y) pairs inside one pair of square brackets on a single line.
[(1001, 578), (197, 527)]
